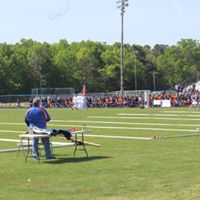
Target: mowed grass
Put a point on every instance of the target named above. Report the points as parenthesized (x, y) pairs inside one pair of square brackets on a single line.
[(121, 169)]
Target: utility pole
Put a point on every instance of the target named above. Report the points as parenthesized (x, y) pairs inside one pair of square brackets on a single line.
[(135, 71), (154, 80)]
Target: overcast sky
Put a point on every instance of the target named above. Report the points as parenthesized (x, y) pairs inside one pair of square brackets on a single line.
[(145, 22)]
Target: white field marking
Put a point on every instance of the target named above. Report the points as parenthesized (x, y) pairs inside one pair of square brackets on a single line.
[(116, 128), (11, 131), (10, 150), (9, 123), (63, 144), (22, 149), (164, 115), (54, 143), (180, 111), (145, 118), (99, 136), (121, 137), (126, 123), (102, 122), (9, 140), (60, 144)]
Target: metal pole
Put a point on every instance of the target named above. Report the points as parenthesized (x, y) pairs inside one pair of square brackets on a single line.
[(154, 81), (135, 76), (122, 5), (122, 55)]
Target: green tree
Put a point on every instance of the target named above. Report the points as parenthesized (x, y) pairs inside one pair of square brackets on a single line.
[(88, 65), (180, 62)]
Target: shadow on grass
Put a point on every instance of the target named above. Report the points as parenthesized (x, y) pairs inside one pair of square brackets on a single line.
[(76, 159)]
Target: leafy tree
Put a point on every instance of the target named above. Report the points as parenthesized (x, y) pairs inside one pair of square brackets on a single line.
[(180, 62), (88, 65), (30, 64), (5, 68)]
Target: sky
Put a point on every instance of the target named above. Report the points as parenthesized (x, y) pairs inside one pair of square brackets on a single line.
[(146, 22)]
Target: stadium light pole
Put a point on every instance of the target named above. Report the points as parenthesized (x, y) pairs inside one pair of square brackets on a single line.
[(122, 4)]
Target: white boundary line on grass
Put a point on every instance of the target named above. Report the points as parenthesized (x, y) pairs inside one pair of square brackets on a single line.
[(119, 128), (55, 145), (113, 127), (156, 114), (106, 122), (145, 118), (11, 123), (64, 144), (11, 131), (99, 136), (180, 111), (15, 150), (8, 140), (121, 137), (126, 123)]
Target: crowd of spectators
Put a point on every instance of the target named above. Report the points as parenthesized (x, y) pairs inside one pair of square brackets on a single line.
[(94, 101), (115, 101), (183, 95), (175, 98)]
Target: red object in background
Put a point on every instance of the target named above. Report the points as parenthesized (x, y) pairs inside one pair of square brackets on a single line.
[(84, 91)]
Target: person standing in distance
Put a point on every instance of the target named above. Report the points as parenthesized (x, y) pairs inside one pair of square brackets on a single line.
[(38, 116)]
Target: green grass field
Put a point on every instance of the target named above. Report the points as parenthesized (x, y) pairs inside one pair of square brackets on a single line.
[(121, 169)]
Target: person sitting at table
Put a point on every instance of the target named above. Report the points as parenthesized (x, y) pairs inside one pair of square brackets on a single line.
[(37, 118)]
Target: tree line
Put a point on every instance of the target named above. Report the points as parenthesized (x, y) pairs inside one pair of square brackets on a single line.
[(31, 64)]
